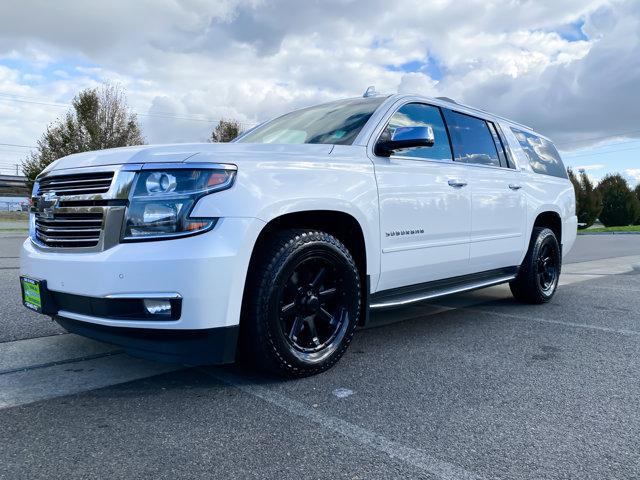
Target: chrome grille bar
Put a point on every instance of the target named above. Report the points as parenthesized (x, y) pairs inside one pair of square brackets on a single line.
[(69, 229), (76, 184)]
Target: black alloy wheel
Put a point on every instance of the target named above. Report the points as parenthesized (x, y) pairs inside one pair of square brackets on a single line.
[(547, 268), (302, 303), (313, 304), (538, 276)]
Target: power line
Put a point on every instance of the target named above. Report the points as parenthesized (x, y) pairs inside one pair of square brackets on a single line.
[(608, 145), (569, 157), (604, 137), (4, 96), (16, 145)]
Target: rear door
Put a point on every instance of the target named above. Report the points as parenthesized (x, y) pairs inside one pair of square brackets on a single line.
[(425, 205), (498, 213)]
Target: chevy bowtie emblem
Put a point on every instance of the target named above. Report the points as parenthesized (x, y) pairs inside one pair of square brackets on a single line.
[(46, 204)]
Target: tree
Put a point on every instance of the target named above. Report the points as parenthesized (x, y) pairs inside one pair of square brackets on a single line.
[(226, 130), (590, 201), (576, 188), (99, 118), (620, 207), (637, 192)]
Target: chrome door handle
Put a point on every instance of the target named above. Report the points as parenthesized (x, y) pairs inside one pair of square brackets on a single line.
[(457, 183), (514, 186)]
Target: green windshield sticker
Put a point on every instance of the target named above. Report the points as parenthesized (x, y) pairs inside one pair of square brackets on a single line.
[(32, 293)]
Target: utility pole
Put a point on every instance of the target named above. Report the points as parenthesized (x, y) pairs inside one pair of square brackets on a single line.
[(17, 166)]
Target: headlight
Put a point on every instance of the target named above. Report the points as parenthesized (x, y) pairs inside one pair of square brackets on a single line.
[(161, 201)]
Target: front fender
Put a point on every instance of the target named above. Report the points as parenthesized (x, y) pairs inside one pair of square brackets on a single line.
[(269, 188)]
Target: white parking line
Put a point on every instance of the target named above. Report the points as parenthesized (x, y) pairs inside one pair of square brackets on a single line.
[(48, 367), (571, 273), (616, 288), (582, 271), (32, 352), (620, 331), (27, 386), (416, 458)]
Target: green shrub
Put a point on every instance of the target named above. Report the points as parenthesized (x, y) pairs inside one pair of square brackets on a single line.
[(637, 192), (588, 199), (620, 206), (576, 187)]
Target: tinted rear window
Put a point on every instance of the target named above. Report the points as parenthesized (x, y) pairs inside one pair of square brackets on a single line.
[(543, 156)]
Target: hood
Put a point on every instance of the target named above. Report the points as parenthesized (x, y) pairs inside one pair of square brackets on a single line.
[(196, 152)]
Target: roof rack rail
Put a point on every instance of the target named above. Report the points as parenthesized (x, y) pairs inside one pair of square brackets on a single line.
[(451, 100)]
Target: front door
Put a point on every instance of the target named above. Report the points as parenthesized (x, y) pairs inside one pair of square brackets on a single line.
[(425, 206)]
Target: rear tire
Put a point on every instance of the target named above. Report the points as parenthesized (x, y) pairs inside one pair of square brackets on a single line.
[(302, 303), (537, 279)]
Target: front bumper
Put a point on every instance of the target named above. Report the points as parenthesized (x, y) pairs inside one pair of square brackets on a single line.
[(207, 271), (192, 347)]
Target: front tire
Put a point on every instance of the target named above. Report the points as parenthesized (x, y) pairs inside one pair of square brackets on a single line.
[(302, 303), (538, 277)]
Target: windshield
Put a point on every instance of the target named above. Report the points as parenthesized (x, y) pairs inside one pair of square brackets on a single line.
[(336, 123)]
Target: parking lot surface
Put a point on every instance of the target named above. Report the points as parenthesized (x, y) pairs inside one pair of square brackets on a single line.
[(471, 386)]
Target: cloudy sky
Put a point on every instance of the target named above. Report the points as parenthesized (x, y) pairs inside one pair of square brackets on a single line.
[(569, 68)]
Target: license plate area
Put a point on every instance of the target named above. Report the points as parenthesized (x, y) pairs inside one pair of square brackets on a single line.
[(35, 295)]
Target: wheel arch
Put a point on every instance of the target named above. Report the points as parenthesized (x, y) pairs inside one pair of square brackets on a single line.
[(342, 225), (550, 219)]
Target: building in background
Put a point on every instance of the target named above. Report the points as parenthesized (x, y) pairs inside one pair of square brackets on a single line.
[(14, 194)]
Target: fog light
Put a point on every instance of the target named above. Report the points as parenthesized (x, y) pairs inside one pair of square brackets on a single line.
[(157, 307)]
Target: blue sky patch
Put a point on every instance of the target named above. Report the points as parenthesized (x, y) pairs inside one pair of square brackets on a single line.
[(572, 32), (431, 67), (36, 72)]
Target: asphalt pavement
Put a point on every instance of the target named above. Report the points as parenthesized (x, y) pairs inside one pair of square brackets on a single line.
[(472, 386)]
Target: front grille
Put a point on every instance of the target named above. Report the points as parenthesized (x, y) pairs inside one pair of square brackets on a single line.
[(76, 184), (80, 209), (69, 229)]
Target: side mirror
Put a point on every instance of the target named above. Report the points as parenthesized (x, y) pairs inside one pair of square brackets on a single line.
[(406, 137)]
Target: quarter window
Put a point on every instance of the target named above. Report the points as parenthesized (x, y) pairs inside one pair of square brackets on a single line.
[(421, 115), (472, 140), (542, 154), (498, 143)]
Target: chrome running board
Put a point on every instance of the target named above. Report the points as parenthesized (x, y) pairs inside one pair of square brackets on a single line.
[(430, 290)]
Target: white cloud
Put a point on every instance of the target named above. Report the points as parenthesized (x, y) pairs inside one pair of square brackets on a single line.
[(633, 176), (252, 59)]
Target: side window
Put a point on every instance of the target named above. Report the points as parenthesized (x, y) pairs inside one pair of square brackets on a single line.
[(472, 140), (498, 143), (511, 163), (543, 156), (421, 115)]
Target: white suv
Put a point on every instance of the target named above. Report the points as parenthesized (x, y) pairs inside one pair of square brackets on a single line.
[(277, 245)]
